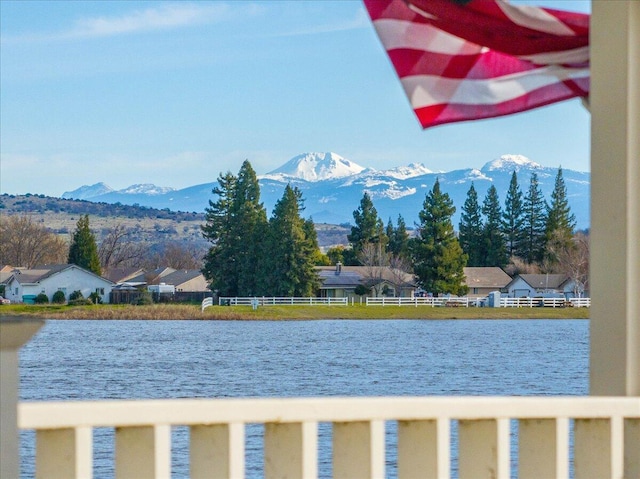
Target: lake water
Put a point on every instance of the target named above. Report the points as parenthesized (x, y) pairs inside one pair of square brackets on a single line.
[(216, 359)]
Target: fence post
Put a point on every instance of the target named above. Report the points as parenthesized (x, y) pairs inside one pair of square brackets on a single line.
[(14, 333)]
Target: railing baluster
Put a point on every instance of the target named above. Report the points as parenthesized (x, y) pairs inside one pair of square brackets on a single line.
[(484, 449), (632, 447), (423, 449), (143, 452), (593, 449), (216, 451), (543, 448), (291, 450), (358, 450), (64, 453)]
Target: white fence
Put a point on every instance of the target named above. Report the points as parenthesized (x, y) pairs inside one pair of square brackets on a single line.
[(421, 301), (544, 302), (280, 301), (605, 430)]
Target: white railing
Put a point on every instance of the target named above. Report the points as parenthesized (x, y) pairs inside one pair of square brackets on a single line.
[(580, 302), (419, 301), (206, 302), (280, 301), (605, 430)]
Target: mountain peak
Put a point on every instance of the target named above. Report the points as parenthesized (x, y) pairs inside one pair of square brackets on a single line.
[(147, 189), (316, 167), (511, 163), (88, 191)]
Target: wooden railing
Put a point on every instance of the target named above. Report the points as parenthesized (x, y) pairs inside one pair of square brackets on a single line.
[(605, 436), (280, 301), (420, 301)]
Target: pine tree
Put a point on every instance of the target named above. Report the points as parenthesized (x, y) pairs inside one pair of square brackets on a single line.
[(368, 227), (83, 250), (437, 255), (236, 225), (471, 234), (291, 244), (495, 248), (219, 265), (398, 238), (560, 222), (534, 224), (513, 219)]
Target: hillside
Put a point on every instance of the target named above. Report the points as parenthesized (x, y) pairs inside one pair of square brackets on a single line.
[(151, 224)]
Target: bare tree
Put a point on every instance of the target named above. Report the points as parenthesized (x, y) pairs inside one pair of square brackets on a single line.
[(399, 269), (187, 255), (24, 243), (375, 260), (117, 249), (572, 259)]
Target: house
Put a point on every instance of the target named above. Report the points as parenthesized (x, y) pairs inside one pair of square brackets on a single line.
[(25, 284), (122, 275), (483, 280), (531, 285), (166, 284), (341, 281)]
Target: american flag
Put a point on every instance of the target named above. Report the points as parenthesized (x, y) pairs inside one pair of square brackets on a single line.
[(465, 60)]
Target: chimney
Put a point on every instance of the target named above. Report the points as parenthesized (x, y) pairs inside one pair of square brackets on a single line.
[(338, 267)]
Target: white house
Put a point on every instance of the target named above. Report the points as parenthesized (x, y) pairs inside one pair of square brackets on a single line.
[(531, 285), (25, 284)]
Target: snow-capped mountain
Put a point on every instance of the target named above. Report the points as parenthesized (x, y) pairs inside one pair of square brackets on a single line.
[(315, 167), (88, 191), (332, 188)]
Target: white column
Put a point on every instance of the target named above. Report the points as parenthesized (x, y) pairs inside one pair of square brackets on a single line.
[(615, 198), (143, 452), (358, 450), (484, 449), (14, 332), (291, 450), (64, 453), (423, 449)]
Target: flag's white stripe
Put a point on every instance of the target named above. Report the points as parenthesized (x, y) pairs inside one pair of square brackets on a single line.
[(535, 18), (577, 55), (428, 90), (420, 36), (396, 34)]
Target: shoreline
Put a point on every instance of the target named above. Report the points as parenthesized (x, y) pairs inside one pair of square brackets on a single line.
[(168, 312)]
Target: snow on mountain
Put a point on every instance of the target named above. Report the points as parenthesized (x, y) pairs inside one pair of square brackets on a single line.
[(315, 167), (146, 189), (88, 191), (511, 163), (410, 171)]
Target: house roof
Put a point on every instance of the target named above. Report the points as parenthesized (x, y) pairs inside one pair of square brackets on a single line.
[(542, 281), (486, 277), (181, 276), (348, 276), (40, 273), (331, 278), (120, 275), (155, 276)]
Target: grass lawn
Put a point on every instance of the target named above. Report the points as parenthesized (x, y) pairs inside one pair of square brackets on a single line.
[(176, 311)]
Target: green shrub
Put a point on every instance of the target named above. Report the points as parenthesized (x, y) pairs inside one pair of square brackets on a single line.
[(41, 299), (58, 298), (80, 302), (76, 295), (95, 298), (145, 299)]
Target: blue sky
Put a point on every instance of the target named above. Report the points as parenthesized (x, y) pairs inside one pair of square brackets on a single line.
[(173, 93)]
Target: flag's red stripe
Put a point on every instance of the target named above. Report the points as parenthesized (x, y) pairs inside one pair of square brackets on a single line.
[(449, 113), (498, 33)]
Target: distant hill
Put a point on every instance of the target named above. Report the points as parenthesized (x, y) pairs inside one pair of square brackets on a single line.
[(332, 187)]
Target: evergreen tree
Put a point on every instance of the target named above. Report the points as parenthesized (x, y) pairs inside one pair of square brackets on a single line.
[(534, 223), (560, 222), (471, 234), (513, 219), (291, 245), (437, 256), (250, 229), (83, 250), (236, 225), (398, 238), (495, 247), (368, 227), (219, 263)]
